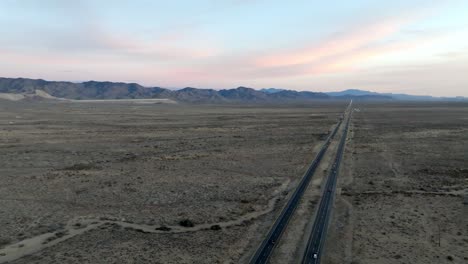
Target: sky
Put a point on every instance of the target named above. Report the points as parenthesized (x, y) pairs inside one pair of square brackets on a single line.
[(400, 46)]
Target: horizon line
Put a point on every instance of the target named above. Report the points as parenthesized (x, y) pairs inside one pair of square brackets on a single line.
[(241, 86)]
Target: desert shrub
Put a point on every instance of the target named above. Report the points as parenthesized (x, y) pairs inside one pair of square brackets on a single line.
[(80, 166), (186, 223), (54, 227), (61, 233), (215, 227), (4, 241)]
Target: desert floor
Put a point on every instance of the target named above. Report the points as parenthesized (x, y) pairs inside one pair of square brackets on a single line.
[(404, 186), (158, 183)]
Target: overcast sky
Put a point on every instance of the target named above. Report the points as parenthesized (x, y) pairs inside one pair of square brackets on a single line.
[(416, 47)]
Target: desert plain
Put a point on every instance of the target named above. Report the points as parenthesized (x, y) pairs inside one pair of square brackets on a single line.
[(177, 183), (154, 183), (403, 187)]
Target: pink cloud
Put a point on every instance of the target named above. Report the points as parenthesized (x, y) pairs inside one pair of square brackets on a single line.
[(242, 68), (170, 59), (332, 55), (335, 45), (164, 47), (12, 57)]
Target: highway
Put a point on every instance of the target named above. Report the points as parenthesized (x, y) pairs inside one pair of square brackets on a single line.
[(263, 253), (313, 252)]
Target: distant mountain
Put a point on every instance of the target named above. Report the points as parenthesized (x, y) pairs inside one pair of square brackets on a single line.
[(85, 90), (118, 90), (22, 89), (244, 94), (295, 95), (194, 95), (271, 90), (368, 95), (364, 97), (352, 92)]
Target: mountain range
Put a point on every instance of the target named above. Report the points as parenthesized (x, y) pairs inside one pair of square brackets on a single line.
[(119, 90), (396, 96)]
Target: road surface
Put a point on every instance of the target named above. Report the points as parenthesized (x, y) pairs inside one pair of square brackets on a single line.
[(317, 237), (263, 253)]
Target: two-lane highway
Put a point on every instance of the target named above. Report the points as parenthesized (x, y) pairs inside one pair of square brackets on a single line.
[(313, 252), (264, 251)]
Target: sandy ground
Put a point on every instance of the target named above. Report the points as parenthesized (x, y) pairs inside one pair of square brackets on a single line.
[(404, 186), (124, 183)]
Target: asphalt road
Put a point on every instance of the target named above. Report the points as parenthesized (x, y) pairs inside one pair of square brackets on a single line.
[(263, 253), (313, 252)]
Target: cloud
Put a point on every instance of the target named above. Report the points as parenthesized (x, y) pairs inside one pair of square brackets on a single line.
[(76, 29), (412, 78), (453, 54), (177, 53), (339, 53), (335, 45)]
